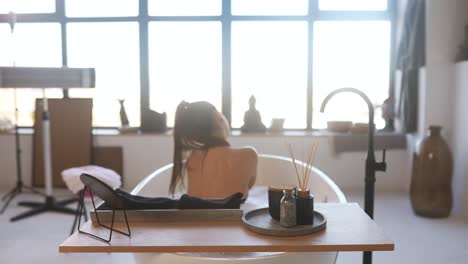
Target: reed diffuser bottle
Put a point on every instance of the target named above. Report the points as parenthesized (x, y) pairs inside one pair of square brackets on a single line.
[(304, 201), (304, 207)]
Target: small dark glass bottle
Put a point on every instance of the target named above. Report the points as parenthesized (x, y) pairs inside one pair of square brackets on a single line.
[(288, 209)]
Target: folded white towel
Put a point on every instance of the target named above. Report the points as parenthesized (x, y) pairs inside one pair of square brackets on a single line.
[(71, 177)]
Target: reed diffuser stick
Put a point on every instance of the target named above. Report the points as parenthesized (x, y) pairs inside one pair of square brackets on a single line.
[(307, 165), (303, 168), (294, 163), (306, 170), (311, 162)]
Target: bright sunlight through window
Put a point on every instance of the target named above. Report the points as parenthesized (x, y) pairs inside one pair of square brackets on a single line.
[(289, 54)]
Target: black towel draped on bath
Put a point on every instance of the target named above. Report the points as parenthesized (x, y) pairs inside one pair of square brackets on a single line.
[(135, 202), (119, 199)]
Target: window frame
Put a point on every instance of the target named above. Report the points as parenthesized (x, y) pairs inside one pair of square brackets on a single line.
[(143, 19)]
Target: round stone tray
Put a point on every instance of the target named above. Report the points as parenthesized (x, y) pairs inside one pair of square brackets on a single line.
[(260, 221)]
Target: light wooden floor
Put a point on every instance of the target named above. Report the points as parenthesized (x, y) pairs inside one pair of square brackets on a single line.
[(417, 240)]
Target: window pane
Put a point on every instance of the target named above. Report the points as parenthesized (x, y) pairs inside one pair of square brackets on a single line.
[(185, 64), (184, 7), (269, 7), (27, 6), (350, 54), (353, 4), (31, 45), (101, 8), (113, 51), (269, 61)]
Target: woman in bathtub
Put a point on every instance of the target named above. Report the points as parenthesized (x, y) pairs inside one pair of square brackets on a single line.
[(214, 169)]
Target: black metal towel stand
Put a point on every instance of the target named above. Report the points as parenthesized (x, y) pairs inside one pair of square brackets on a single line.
[(112, 200), (110, 228), (371, 165)]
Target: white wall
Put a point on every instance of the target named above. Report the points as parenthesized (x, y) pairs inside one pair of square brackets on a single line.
[(145, 153), (460, 128), (442, 97), (440, 53), (444, 32), (460, 151)]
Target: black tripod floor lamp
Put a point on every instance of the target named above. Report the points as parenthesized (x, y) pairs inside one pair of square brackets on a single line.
[(43, 78), (20, 186)]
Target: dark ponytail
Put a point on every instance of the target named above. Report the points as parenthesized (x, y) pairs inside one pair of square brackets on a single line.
[(177, 158), (193, 130)]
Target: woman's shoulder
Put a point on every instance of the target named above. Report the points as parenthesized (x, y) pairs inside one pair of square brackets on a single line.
[(245, 152), (248, 151)]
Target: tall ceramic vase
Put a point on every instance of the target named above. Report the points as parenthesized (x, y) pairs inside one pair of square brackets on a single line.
[(431, 182)]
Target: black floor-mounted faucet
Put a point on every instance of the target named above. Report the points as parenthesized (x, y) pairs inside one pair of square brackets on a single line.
[(371, 165)]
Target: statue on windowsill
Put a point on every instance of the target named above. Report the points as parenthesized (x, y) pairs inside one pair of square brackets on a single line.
[(388, 114), (252, 119), (123, 114)]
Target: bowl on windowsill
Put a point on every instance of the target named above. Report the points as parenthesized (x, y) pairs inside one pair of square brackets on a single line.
[(339, 126), (359, 128), (276, 125)]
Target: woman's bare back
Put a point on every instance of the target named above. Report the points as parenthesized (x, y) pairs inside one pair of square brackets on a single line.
[(221, 171)]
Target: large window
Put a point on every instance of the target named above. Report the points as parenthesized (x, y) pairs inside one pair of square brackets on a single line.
[(356, 5), (27, 6), (269, 7), (184, 7), (185, 64), (101, 8), (289, 54), (33, 44), (269, 61), (350, 54), (112, 49)]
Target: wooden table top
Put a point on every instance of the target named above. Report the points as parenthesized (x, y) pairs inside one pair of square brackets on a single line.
[(348, 229)]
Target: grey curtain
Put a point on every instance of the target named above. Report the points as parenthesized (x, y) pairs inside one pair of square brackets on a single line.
[(411, 56)]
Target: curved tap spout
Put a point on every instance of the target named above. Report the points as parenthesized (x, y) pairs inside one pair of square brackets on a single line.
[(369, 105)]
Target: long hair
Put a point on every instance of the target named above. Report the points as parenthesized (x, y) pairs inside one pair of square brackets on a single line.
[(193, 130)]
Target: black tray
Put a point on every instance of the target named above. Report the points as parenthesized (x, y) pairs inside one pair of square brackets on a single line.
[(260, 221)]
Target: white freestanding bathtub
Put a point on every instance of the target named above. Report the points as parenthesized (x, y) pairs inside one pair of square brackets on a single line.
[(271, 170)]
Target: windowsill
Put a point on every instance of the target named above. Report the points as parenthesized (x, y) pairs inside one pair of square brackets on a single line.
[(342, 142)]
